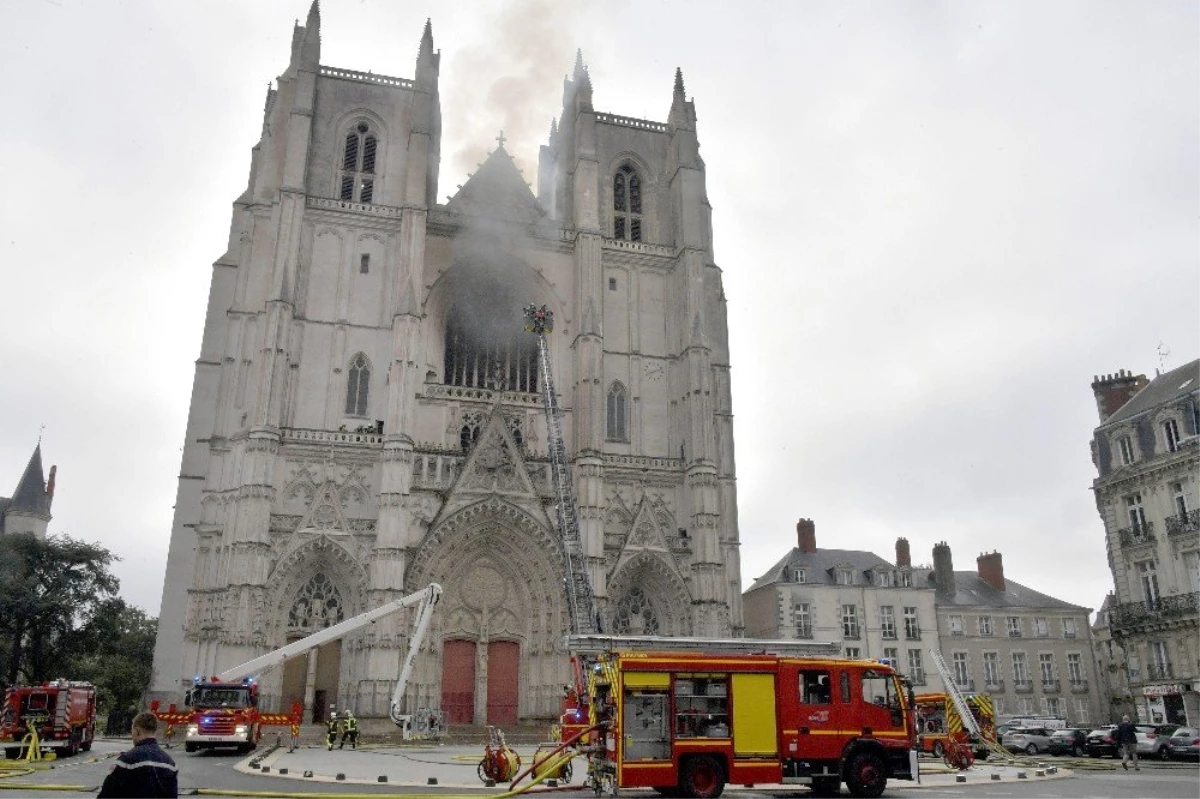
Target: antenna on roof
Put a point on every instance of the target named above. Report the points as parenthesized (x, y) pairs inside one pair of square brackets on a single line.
[(1164, 352)]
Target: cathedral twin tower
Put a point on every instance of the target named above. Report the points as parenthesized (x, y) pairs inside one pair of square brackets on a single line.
[(365, 418)]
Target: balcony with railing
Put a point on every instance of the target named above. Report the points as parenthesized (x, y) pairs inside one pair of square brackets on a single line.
[(1051, 686), (1129, 615), (1023, 686), (994, 686), (1183, 524), (1079, 686), (1137, 534), (1159, 671)]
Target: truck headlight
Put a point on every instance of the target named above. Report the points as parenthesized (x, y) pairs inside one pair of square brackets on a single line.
[(193, 729), (239, 729)]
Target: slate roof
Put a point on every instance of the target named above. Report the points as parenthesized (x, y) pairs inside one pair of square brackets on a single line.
[(498, 190), (1161, 390), (819, 566), (30, 495), (971, 591)]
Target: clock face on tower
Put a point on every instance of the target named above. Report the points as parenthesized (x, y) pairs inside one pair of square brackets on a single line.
[(655, 371)]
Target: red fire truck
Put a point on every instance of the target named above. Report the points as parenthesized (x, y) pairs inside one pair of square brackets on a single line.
[(223, 711), (687, 723), (62, 713)]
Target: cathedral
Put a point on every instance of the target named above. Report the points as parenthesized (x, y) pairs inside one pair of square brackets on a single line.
[(365, 416)]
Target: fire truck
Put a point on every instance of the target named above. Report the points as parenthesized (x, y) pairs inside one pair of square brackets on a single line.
[(687, 723), (938, 723), (224, 709), (62, 715)]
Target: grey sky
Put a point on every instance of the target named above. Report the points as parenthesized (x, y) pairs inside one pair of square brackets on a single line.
[(936, 222)]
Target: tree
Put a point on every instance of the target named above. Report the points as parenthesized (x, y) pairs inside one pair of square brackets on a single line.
[(50, 593), (118, 655)]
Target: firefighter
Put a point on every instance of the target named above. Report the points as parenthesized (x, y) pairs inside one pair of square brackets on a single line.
[(332, 727), (349, 730)]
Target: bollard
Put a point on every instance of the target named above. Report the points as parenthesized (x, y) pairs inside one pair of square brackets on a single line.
[(381, 778), (1040, 773), (283, 771), (431, 781), (960, 777), (1021, 775), (340, 776), (1052, 770), (489, 783), (308, 774), (551, 783), (995, 776), (266, 769)]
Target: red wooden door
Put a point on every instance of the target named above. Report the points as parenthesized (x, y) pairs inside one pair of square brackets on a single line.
[(502, 682), (458, 681)]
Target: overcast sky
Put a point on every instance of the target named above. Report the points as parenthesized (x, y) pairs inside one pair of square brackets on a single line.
[(936, 222)]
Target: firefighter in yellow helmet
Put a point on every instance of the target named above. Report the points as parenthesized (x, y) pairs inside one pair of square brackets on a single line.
[(332, 728), (349, 731)]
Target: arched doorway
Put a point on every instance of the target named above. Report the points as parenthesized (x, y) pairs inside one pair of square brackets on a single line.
[(313, 680)]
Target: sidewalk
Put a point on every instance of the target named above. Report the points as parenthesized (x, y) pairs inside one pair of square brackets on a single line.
[(456, 767)]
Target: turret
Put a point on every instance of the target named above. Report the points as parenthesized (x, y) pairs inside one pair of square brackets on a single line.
[(428, 61), (310, 46)]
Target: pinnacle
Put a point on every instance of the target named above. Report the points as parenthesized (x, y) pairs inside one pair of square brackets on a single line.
[(580, 69), (427, 38), (679, 81)]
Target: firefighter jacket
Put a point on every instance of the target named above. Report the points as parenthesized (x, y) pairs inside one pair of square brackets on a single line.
[(351, 724), (144, 770)]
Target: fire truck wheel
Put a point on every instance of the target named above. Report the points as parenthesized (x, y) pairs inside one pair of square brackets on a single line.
[(938, 749), (12, 754), (702, 778), (826, 786), (867, 775), (190, 747)]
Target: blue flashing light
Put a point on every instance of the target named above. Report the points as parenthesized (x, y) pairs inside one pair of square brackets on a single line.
[(196, 680)]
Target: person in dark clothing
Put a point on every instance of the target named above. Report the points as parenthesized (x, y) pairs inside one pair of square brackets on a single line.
[(1126, 740), (349, 731), (144, 770)]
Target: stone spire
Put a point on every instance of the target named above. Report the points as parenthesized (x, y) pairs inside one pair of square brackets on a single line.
[(427, 60), (679, 93)]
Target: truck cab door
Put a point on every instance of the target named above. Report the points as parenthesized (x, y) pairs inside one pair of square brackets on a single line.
[(818, 715)]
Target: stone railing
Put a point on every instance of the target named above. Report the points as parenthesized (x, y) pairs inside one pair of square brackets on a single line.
[(1023, 686), (637, 246), (642, 462), (994, 686), (1129, 615), (345, 206), (1137, 534), (1079, 686), (366, 77), (442, 391), (1051, 686), (1184, 523), (631, 122), (293, 435), (436, 471)]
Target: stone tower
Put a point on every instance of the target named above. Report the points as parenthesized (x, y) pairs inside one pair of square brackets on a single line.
[(365, 417)]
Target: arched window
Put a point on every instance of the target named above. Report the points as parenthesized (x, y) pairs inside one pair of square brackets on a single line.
[(356, 179), (468, 436), (358, 383), (635, 615), (317, 606), (617, 427), (484, 349), (627, 204)]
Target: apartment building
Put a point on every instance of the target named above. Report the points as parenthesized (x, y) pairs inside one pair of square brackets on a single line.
[(869, 607)]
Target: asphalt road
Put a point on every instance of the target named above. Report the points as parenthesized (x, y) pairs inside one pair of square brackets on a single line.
[(215, 771)]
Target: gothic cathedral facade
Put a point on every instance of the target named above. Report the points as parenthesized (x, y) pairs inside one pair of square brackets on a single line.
[(365, 416)]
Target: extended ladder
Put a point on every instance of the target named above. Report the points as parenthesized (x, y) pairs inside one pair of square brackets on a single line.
[(581, 602), (960, 703)]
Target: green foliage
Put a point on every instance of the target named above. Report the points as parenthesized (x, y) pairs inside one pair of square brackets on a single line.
[(120, 648), (51, 592)]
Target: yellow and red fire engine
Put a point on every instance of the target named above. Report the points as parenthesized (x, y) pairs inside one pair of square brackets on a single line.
[(59, 715), (938, 723), (687, 723)]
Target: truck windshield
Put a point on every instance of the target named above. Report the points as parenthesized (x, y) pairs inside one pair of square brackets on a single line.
[(220, 697)]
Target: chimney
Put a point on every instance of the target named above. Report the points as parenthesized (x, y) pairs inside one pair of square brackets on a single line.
[(50, 484), (991, 569), (943, 569), (1113, 391), (806, 536), (903, 558)]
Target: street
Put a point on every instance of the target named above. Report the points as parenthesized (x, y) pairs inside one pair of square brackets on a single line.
[(409, 770)]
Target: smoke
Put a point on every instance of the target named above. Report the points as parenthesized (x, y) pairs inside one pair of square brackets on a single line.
[(491, 285), (511, 81)]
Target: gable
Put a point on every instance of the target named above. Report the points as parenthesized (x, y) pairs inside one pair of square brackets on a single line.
[(497, 190)]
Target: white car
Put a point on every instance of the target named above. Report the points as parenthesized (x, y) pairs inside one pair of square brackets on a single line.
[(1030, 740), (1155, 741)]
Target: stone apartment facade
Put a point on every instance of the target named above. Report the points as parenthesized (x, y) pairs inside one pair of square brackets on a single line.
[(365, 416), (1030, 651), (1147, 457), (867, 606)]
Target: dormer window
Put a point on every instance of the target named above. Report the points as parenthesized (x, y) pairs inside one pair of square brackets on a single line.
[(798, 576), (356, 179), (627, 204), (1170, 430), (1125, 447), (883, 579), (845, 576)]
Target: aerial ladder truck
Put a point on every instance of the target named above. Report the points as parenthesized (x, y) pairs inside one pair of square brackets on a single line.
[(223, 710)]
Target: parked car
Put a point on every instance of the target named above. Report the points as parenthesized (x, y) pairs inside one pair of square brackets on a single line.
[(1027, 739), (1070, 741), (1152, 740), (1100, 742), (1184, 744)]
